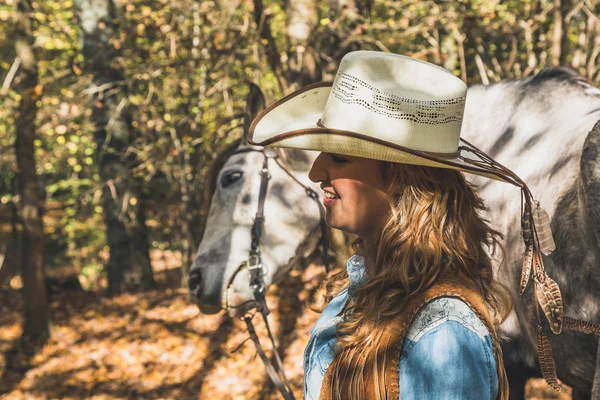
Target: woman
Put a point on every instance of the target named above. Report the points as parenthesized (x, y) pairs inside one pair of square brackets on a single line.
[(415, 314), (430, 232)]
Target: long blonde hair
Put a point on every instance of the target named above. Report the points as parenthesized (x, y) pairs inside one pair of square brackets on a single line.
[(435, 232)]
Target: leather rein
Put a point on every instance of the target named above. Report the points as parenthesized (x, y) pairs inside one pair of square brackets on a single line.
[(257, 269)]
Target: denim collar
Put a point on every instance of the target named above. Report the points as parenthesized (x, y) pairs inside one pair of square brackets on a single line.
[(356, 270)]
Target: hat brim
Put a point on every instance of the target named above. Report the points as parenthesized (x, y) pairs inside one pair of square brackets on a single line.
[(292, 123)]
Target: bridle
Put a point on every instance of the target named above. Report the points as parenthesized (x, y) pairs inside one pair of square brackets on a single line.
[(257, 269)]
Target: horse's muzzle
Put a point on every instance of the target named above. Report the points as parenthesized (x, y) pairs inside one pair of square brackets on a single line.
[(194, 281), (194, 286)]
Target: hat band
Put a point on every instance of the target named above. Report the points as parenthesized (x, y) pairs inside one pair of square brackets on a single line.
[(449, 156)]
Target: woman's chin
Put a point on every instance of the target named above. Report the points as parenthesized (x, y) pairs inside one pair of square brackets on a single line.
[(332, 223)]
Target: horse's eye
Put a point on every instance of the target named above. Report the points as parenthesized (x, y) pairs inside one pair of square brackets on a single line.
[(230, 178)]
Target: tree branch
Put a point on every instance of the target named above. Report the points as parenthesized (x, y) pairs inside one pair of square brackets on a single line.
[(11, 74)]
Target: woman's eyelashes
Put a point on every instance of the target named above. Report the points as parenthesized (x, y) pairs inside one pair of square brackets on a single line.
[(338, 159)]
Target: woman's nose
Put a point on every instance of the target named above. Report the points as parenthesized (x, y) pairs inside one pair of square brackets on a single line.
[(318, 171)]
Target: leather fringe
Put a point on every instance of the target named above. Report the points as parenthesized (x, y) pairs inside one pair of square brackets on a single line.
[(371, 372), (537, 235)]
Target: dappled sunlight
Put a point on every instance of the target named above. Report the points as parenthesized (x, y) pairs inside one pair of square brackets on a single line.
[(154, 345), (157, 345)]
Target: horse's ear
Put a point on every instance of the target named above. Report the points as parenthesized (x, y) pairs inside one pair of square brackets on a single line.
[(255, 103)]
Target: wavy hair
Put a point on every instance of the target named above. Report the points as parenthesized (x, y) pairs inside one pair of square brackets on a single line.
[(435, 231)]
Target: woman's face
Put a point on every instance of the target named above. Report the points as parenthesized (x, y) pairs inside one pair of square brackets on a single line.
[(356, 200)]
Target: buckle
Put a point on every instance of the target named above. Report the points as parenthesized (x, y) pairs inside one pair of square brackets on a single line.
[(254, 262), (311, 193), (265, 172)]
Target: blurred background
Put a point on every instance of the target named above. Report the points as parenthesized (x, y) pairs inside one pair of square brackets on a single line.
[(111, 112)]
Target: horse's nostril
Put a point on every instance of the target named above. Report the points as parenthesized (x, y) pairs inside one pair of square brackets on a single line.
[(194, 280)]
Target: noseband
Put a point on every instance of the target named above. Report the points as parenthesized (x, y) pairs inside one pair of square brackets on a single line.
[(257, 268)]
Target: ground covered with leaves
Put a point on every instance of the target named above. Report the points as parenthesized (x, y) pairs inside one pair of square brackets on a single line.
[(156, 345)]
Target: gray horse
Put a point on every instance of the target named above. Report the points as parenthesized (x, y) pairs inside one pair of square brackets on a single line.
[(542, 128), (219, 278)]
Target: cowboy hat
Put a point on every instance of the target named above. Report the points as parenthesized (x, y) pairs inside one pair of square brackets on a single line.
[(382, 106)]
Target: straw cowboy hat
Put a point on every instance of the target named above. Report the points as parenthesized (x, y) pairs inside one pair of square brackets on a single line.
[(395, 108), (382, 106)]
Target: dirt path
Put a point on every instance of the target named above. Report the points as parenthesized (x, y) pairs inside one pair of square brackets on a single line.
[(156, 345)]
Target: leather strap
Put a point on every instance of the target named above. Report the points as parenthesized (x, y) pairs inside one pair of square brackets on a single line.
[(281, 385), (276, 373)]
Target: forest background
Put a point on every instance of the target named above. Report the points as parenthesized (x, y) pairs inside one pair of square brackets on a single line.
[(111, 112)]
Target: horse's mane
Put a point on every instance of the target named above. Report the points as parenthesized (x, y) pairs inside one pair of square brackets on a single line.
[(559, 75), (210, 182)]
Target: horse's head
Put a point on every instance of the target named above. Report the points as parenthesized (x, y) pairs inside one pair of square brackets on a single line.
[(219, 277)]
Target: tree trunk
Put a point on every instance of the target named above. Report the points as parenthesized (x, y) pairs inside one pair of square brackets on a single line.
[(36, 310), (301, 20), (564, 43), (537, 43), (12, 255), (558, 52), (186, 216), (129, 264)]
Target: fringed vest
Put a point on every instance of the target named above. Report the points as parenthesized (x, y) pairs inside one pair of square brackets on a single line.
[(374, 374)]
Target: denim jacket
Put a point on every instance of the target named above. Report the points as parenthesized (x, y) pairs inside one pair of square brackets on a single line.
[(447, 352)]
